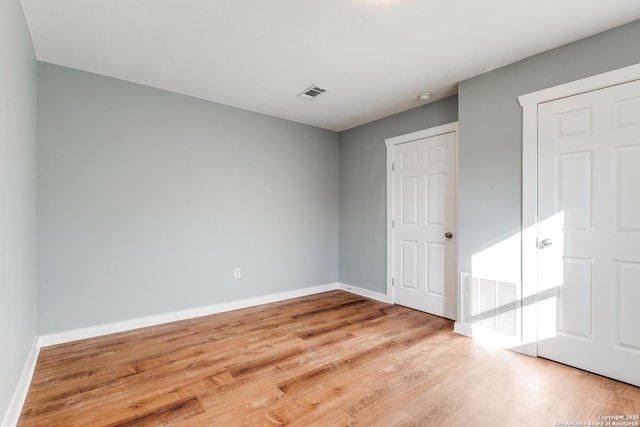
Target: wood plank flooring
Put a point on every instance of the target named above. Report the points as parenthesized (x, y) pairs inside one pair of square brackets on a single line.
[(332, 359)]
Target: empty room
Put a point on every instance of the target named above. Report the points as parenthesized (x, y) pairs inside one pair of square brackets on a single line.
[(339, 212)]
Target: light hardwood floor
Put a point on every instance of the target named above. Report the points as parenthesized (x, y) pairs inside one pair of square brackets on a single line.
[(331, 359)]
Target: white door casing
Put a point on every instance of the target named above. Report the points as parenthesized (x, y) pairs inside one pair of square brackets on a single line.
[(421, 259), (584, 197)]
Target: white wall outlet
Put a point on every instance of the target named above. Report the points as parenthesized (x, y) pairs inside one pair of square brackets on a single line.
[(237, 273)]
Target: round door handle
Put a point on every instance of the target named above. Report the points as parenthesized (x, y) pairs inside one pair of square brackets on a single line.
[(544, 243), (448, 234)]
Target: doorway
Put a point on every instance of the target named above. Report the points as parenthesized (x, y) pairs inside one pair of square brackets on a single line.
[(581, 215), (421, 206)]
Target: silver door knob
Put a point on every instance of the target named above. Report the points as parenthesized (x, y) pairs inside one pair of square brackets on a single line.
[(448, 234), (544, 243)]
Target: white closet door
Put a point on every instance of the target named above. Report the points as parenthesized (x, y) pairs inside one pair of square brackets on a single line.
[(589, 231)]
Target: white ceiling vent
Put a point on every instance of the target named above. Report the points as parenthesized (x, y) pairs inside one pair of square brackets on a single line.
[(311, 92)]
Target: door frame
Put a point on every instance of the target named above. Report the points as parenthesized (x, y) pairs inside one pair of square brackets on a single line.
[(529, 103), (391, 143)]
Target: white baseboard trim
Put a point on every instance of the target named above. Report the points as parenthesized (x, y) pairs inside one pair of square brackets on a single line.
[(463, 329), (15, 406), (365, 292), (127, 325), (495, 338)]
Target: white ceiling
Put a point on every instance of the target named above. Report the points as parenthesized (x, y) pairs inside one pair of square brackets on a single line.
[(372, 56)]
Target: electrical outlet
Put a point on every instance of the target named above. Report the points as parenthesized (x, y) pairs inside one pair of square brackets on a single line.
[(237, 273)]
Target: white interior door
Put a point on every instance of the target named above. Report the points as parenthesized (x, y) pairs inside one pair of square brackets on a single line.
[(424, 221), (589, 231)]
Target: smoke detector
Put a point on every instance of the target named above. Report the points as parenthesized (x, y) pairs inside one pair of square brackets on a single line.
[(312, 92), (424, 96)]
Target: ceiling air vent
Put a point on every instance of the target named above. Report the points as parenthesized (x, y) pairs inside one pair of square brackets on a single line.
[(311, 92)]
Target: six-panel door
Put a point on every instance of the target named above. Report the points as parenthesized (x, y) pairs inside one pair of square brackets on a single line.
[(424, 212), (589, 214)]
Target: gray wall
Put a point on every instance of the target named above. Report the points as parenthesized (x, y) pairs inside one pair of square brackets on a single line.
[(490, 151), (149, 199), (18, 86), (490, 148), (363, 190)]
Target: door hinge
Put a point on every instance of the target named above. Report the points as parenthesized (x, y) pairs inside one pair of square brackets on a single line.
[(393, 166), (393, 282), (393, 224)]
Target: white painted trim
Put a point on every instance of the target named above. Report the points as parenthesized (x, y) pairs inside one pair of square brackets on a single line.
[(588, 84), (529, 235), (17, 401), (421, 134), (365, 293), (490, 337), (127, 325), (391, 143), (529, 103), (15, 407), (463, 329), (460, 326), (390, 290)]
